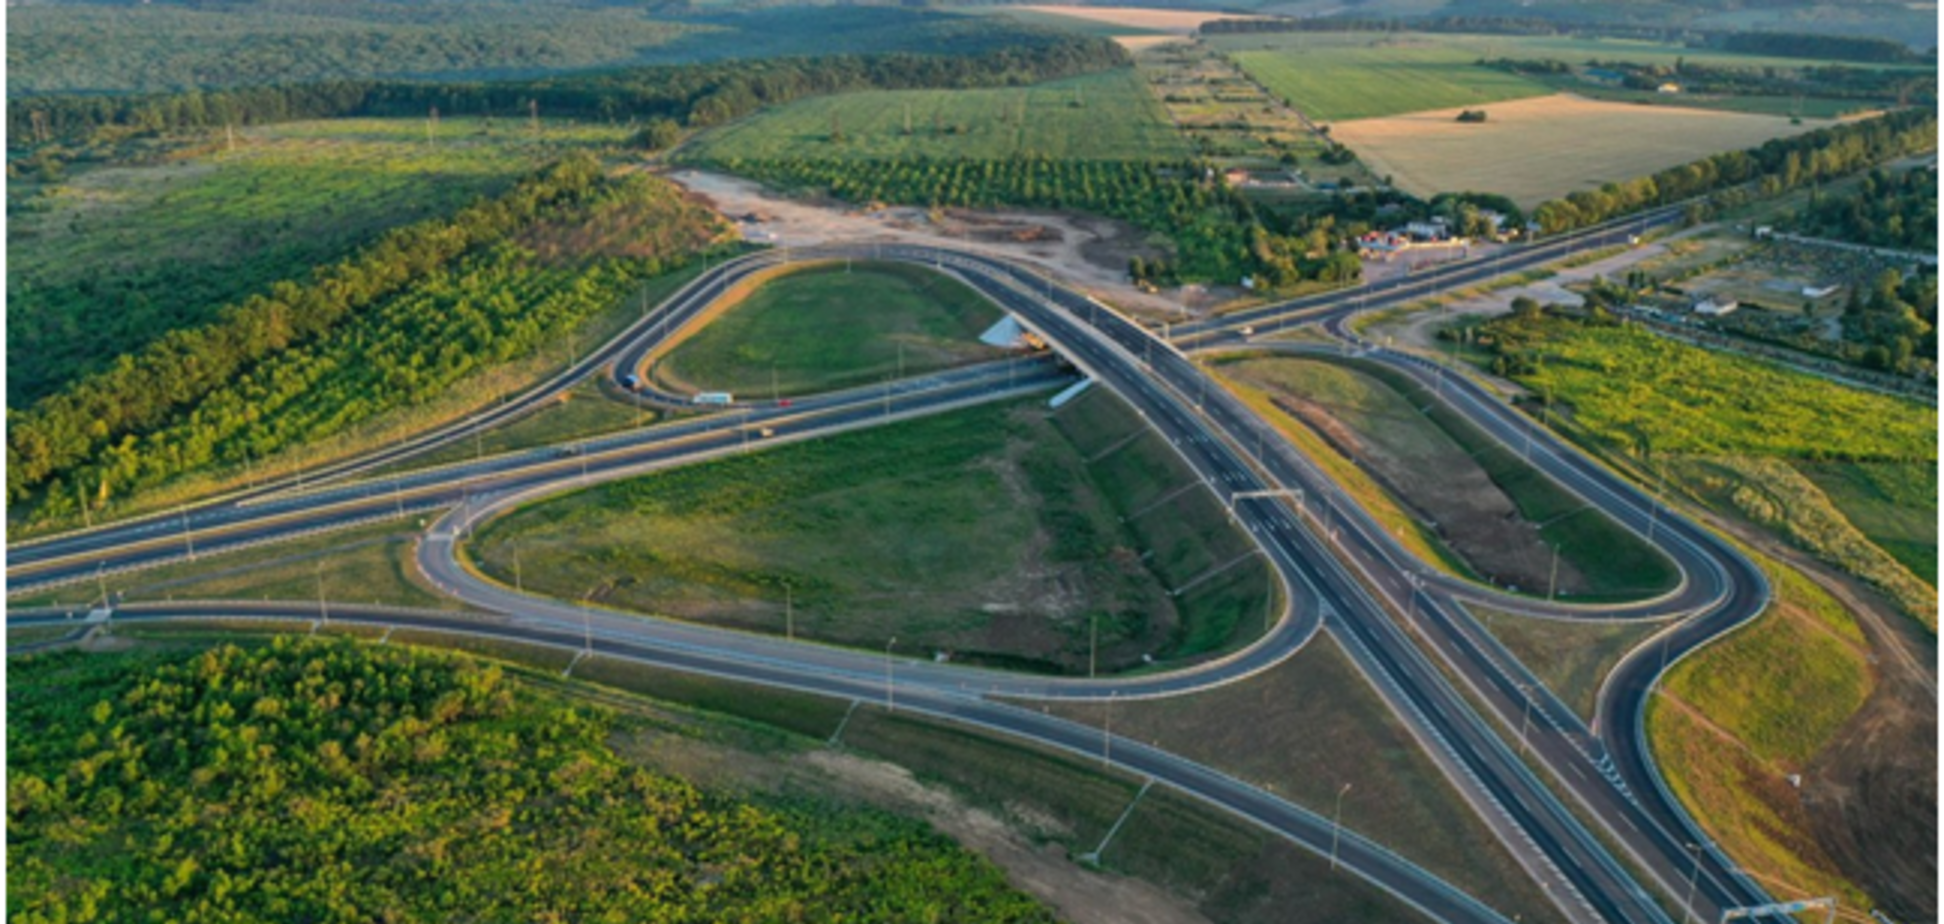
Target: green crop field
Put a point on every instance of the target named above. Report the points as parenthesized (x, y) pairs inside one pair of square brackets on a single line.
[(1335, 77), (1106, 116), (110, 259), (986, 533), (834, 325)]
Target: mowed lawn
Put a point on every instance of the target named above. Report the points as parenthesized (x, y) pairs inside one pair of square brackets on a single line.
[(1541, 148), (1106, 116), (834, 325)]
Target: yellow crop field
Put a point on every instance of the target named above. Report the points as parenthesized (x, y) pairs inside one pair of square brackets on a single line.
[(1541, 148)]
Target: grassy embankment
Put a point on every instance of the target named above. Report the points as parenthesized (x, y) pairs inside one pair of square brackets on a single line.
[(1487, 507), (830, 326), (994, 533), (1308, 726), (1105, 116), (1739, 717)]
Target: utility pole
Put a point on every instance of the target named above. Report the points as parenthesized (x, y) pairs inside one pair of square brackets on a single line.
[(431, 126), (1687, 910), (1336, 826), (789, 612), (1552, 582), (1525, 724), (533, 108), (890, 697), (1093, 642), (87, 518), (101, 581), (519, 585), (323, 608)]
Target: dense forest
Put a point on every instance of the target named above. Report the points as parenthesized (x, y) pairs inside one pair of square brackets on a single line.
[(328, 781), (1219, 235), (1781, 164), (393, 325), (94, 47), (1888, 209), (694, 94)]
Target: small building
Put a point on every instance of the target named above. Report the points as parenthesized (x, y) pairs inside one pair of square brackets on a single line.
[(1668, 88), (1433, 230), (1715, 306)]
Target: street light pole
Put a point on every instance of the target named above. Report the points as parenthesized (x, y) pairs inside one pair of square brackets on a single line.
[(890, 693), (1336, 826)]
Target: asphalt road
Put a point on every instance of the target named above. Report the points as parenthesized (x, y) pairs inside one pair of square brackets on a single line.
[(1334, 566)]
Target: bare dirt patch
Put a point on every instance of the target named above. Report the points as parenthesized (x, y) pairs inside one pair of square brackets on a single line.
[(1544, 147), (1077, 894), (1085, 251)]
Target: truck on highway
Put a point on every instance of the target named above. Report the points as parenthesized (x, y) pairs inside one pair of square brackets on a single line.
[(714, 397), (630, 383)]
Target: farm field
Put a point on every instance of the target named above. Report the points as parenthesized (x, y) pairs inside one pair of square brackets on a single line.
[(1335, 76), (1485, 502), (1303, 729), (1128, 20), (831, 326), (1105, 116), (106, 261), (994, 534), (1544, 147)]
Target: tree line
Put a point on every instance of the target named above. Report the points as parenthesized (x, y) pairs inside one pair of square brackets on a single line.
[(1888, 209), (309, 780), (393, 325), (1775, 166), (696, 95)]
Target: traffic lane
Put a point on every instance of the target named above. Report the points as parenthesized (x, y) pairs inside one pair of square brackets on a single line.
[(1580, 863), (382, 501), (1355, 853), (410, 484)]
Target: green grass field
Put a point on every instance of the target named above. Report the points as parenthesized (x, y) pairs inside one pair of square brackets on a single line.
[(834, 325), (1306, 727), (1106, 116), (1486, 502), (1572, 657), (112, 258), (1773, 694), (985, 533), (1894, 504), (1334, 76)]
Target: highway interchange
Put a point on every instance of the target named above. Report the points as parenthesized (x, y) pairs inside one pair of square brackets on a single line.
[(1341, 573)]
